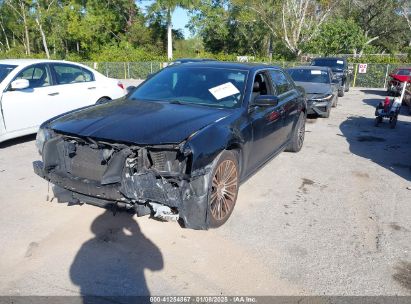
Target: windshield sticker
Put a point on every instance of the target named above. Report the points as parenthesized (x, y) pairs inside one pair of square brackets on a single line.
[(224, 90), (340, 62), (315, 72)]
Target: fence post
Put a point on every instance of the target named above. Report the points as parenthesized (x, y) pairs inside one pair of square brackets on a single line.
[(386, 76), (151, 67), (355, 75), (128, 70)]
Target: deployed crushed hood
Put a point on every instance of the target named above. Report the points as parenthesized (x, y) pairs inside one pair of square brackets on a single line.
[(138, 122), (401, 78), (315, 87)]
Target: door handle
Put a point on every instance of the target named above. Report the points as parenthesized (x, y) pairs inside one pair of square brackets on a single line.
[(91, 88), (54, 94)]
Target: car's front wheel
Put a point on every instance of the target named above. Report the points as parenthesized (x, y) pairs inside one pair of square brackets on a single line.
[(224, 188)]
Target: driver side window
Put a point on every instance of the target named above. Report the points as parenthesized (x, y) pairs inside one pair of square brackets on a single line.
[(280, 82), (37, 75), (260, 85)]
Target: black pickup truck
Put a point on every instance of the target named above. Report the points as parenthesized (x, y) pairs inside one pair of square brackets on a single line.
[(339, 66)]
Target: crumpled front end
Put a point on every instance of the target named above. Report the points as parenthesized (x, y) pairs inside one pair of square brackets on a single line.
[(148, 179), (319, 103)]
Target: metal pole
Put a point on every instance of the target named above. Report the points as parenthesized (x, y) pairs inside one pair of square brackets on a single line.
[(355, 75), (386, 76), (403, 91)]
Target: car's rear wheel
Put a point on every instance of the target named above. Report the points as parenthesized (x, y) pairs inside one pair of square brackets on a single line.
[(103, 100), (341, 92), (297, 139), (224, 188)]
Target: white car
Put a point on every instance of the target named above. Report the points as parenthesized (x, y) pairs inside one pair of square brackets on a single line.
[(32, 91)]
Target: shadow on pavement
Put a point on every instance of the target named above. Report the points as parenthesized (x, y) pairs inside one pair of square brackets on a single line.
[(389, 148), (110, 267), (381, 92), (17, 141)]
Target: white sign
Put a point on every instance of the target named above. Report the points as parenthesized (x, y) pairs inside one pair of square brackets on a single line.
[(224, 90), (315, 72), (362, 68)]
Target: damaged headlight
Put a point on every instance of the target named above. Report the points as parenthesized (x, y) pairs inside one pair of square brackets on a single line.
[(322, 98), (43, 135)]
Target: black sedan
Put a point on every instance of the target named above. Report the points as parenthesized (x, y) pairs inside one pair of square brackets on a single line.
[(178, 146), (321, 87)]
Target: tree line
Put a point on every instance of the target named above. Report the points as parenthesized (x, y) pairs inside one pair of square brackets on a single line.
[(119, 30)]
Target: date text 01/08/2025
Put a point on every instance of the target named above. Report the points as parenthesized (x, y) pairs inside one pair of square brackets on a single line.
[(202, 299)]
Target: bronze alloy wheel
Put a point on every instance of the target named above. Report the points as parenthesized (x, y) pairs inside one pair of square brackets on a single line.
[(224, 189)]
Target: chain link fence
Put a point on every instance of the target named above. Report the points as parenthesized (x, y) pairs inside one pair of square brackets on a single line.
[(376, 76)]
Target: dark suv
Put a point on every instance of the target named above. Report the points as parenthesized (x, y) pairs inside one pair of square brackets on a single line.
[(339, 66)]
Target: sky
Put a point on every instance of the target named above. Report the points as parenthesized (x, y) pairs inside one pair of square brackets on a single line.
[(180, 17)]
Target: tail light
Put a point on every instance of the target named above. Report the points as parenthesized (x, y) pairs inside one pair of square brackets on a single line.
[(120, 85)]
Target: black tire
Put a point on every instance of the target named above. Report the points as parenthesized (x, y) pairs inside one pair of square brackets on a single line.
[(393, 122), (377, 121), (297, 139), (103, 100), (341, 92), (223, 190)]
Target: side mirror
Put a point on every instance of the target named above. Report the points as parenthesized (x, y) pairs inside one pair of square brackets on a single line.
[(19, 84), (266, 101), (130, 89)]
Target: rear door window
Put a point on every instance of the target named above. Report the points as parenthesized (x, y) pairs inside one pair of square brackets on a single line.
[(66, 74)]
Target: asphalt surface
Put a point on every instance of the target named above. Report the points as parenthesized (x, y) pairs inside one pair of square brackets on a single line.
[(334, 219)]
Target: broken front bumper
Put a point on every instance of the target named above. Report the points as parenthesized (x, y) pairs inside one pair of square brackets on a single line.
[(318, 107), (189, 199)]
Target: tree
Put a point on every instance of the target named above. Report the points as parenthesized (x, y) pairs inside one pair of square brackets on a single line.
[(380, 20), (168, 7), (338, 36)]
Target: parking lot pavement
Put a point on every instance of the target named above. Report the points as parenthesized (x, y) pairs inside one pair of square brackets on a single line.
[(334, 219)]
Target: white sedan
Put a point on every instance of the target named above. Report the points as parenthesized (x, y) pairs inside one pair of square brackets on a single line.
[(32, 91)]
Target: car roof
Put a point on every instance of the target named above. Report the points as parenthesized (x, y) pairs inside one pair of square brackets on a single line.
[(227, 65), (310, 67), (31, 61)]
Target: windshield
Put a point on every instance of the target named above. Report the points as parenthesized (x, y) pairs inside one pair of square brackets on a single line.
[(403, 72), (335, 64), (218, 87), (5, 70), (308, 75)]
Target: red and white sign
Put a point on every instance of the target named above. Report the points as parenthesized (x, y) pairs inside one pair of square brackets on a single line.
[(362, 68)]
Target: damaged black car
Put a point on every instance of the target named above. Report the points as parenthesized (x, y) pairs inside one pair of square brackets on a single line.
[(179, 145)]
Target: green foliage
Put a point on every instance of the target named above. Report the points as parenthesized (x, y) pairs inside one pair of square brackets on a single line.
[(338, 36)]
